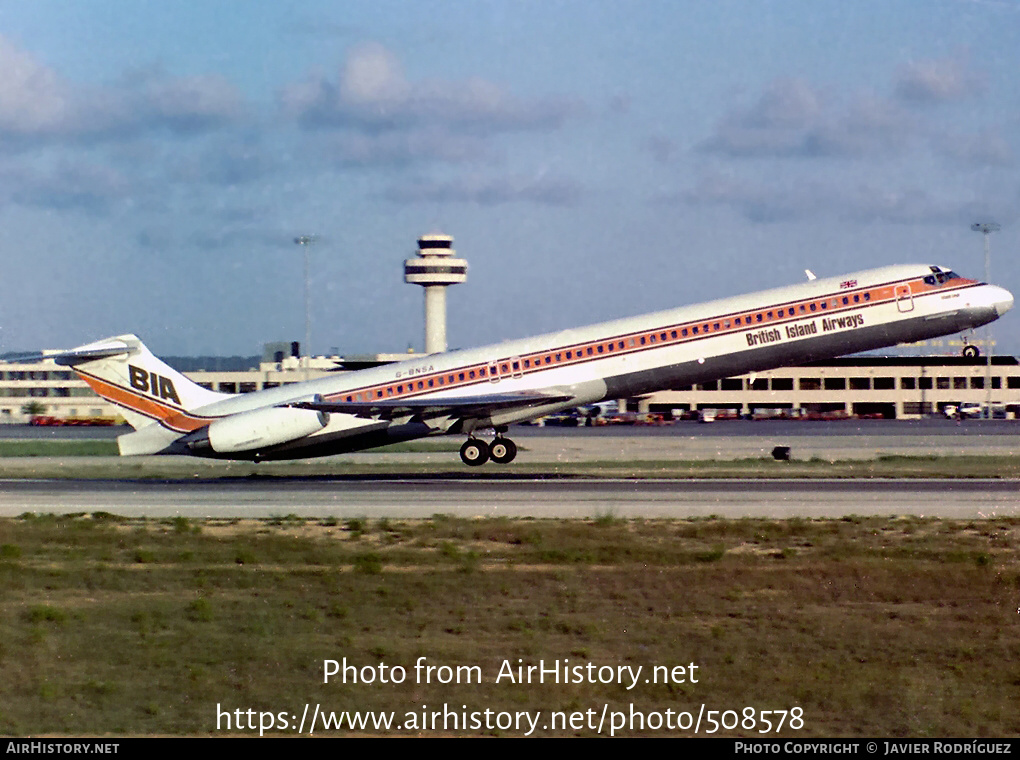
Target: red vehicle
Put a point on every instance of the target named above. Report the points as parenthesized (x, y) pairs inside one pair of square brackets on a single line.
[(46, 420)]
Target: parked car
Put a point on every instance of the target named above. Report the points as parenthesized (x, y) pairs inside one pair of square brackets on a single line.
[(966, 409)]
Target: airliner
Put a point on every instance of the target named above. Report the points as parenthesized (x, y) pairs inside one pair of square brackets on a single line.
[(464, 392)]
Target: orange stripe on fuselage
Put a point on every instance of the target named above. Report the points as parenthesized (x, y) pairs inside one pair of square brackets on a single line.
[(700, 329), (175, 419)]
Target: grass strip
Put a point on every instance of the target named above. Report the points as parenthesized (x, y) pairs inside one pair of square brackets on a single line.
[(60, 448), (872, 626)]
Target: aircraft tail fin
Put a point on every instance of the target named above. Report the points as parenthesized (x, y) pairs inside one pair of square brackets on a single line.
[(124, 372)]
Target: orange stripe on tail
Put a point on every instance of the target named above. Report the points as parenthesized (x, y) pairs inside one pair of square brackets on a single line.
[(175, 419)]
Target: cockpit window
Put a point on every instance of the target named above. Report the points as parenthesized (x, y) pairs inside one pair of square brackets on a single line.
[(940, 277)]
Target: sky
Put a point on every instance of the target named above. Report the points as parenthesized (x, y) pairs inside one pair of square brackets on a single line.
[(592, 160)]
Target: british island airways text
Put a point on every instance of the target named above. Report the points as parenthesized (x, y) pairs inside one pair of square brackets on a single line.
[(803, 329)]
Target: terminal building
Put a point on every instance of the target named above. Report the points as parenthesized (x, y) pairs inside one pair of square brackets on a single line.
[(880, 386)]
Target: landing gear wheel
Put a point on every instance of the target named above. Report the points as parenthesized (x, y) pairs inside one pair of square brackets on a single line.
[(474, 453), (502, 450), (972, 352)]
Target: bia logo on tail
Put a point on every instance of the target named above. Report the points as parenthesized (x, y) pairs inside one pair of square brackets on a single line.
[(150, 382)]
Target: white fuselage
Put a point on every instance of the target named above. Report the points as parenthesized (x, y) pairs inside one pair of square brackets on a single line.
[(814, 320)]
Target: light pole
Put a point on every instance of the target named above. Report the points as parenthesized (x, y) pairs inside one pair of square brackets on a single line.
[(986, 228), (306, 241)]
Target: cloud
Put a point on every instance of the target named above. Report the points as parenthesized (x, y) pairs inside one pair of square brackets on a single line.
[(988, 148), (398, 149), (189, 103), (791, 119), (757, 203), (229, 229), (372, 75), (869, 125), (37, 104), (937, 81), (223, 163), (373, 94), (229, 236), (786, 104), (865, 202), (491, 191), (69, 184), (662, 149), (33, 99), (909, 205), (774, 125)]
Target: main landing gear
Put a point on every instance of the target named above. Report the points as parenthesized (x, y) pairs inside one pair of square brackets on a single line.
[(475, 452)]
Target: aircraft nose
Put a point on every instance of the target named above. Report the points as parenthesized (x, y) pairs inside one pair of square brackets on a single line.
[(1002, 299)]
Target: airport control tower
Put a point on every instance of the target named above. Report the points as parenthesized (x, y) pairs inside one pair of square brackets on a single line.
[(434, 269)]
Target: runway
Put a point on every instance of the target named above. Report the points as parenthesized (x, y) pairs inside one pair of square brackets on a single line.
[(485, 497), (200, 488)]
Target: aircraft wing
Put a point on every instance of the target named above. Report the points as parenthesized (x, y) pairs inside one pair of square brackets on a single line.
[(465, 407)]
